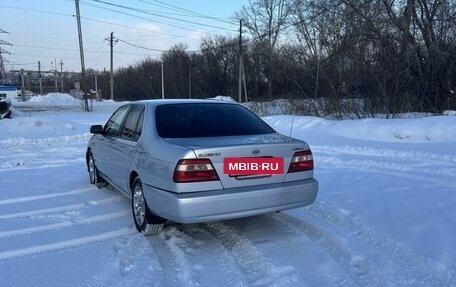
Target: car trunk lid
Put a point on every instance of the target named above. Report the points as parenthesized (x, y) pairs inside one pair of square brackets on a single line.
[(258, 146)]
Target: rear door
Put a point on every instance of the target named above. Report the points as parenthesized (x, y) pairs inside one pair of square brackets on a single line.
[(123, 148)]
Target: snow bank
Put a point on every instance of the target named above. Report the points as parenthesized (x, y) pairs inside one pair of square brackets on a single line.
[(416, 130), (449, 113), (55, 99), (59, 102), (222, 98), (41, 126), (15, 112)]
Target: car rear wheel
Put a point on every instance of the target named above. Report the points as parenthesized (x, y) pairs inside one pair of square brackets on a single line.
[(93, 173), (145, 221)]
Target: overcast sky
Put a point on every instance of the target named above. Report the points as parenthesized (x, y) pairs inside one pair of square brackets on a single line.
[(46, 30)]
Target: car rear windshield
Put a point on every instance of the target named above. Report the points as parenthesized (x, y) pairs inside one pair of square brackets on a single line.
[(207, 120)]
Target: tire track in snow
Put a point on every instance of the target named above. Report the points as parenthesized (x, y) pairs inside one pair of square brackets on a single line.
[(23, 153), (257, 268), (313, 266), (438, 169), (65, 224), (228, 272), (134, 263), (53, 247), (410, 165), (369, 259), (44, 196), (79, 138), (350, 260), (158, 260), (220, 264), (431, 272), (176, 241), (385, 153), (33, 213), (417, 161), (182, 253)]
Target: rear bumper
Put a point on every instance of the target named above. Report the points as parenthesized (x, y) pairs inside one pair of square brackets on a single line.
[(230, 203)]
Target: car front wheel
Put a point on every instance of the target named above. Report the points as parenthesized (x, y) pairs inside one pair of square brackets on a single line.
[(145, 220), (93, 173)]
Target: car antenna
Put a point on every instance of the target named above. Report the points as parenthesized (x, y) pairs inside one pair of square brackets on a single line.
[(292, 122)]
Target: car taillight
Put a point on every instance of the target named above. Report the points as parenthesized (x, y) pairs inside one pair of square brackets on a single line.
[(301, 161), (194, 170)]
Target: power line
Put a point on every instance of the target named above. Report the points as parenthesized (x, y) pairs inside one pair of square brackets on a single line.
[(95, 20), (35, 10), (157, 15), (134, 28), (47, 48), (142, 18), (21, 64), (182, 12), (98, 54), (51, 38), (73, 50), (189, 12), (139, 17), (139, 46)]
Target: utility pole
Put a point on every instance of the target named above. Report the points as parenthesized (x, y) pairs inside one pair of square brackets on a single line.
[(240, 63), (96, 88), (190, 80), (61, 75), (22, 84), (81, 51), (111, 80), (55, 76), (243, 80), (163, 82), (39, 78)]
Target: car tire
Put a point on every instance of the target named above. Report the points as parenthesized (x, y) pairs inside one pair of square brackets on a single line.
[(145, 221), (93, 173)]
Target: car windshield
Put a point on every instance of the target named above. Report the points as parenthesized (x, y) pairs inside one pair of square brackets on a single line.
[(207, 120)]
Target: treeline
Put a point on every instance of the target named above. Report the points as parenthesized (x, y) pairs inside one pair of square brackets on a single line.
[(344, 57)]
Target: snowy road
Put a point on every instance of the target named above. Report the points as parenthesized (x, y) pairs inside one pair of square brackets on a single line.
[(384, 217)]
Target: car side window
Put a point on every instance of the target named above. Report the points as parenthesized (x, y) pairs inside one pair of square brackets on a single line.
[(112, 127), (139, 127), (129, 129)]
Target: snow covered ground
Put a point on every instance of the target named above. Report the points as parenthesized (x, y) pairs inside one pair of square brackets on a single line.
[(385, 214)]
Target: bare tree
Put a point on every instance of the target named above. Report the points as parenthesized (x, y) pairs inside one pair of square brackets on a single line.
[(417, 37), (346, 57), (267, 20), (217, 70), (176, 64)]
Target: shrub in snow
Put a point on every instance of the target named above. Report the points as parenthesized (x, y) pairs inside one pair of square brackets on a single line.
[(5, 108)]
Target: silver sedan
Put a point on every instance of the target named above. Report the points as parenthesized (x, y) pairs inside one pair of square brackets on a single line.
[(194, 161)]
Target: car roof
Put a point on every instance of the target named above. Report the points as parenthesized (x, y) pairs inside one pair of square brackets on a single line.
[(158, 102)]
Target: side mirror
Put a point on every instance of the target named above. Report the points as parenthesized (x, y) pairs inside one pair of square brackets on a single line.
[(96, 129)]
